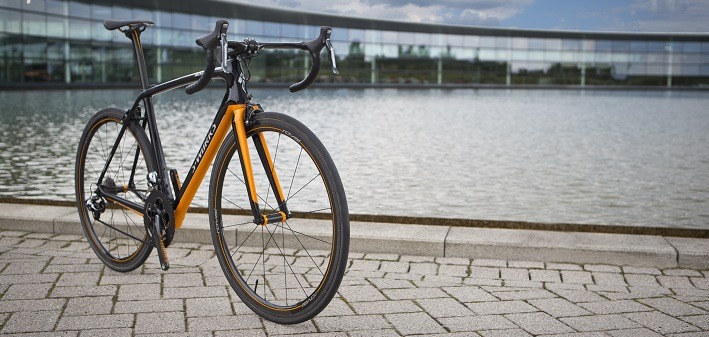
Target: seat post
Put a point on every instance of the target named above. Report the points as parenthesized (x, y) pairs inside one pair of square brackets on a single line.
[(134, 35)]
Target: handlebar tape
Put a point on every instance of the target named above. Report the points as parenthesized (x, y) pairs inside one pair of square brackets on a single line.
[(206, 75)]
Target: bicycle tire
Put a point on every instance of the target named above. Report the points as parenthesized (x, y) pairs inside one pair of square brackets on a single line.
[(314, 274), (107, 235)]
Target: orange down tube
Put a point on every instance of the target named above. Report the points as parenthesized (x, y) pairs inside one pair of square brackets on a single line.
[(209, 154)]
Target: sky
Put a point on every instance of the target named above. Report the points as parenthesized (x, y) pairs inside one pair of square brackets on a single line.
[(586, 15)]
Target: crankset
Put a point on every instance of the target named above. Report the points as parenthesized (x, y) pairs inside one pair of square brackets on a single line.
[(159, 220)]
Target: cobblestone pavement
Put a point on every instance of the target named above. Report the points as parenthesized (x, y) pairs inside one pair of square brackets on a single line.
[(54, 285)]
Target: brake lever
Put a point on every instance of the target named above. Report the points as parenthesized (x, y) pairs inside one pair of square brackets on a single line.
[(331, 54), (224, 46)]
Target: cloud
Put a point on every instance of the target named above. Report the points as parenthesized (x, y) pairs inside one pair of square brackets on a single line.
[(663, 16), (459, 12)]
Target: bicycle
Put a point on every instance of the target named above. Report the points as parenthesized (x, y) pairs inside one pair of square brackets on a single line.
[(280, 260)]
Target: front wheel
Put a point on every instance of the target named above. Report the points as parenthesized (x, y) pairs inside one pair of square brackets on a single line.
[(285, 271)]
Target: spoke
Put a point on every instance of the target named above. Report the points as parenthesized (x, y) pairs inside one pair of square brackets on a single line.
[(306, 250), (304, 186), (240, 224), (306, 235), (294, 171), (291, 268), (242, 181), (229, 201), (247, 238)]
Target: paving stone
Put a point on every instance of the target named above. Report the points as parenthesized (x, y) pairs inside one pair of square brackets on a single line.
[(382, 283), (559, 307), (31, 305), (115, 332), (610, 279), (78, 279), (482, 281), (27, 291), (136, 292), (425, 268), (526, 264), (602, 268), (194, 292), (600, 323), (394, 267), (514, 274), (22, 267), (502, 307), (74, 268), (28, 278), (95, 322), (700, 282), (414, 293), (381, 257), (524, 284), (83, 291), (641, 270), (160, 322), (453, 260), (539, 323), (414, 323), (365, 265), (477, 323), (237, 323), (661, 323), (210, 306), (673, 307), (505, 333), (469, 294), (641, 332), (682, 272), (563, 266), (489, 263), (524, 294), (361, 293), (183, 280), (332, 324), (273, 329), (700, 321), (545, 275), (162, 305), (444, 307), (416, 258), (453, 270), (374, 333), (580, 277), (83, 306), (31, 321), (129, 279), (675, 281), (384, 307), (614, 307), (484, 272), (337, 307), (641, 280)]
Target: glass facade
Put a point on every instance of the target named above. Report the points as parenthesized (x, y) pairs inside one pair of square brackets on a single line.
[(63, 42)]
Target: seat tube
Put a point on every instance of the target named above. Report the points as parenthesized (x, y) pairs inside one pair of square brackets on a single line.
[(134, 35)]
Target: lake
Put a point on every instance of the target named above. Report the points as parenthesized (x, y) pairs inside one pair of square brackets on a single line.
[(568, 156)]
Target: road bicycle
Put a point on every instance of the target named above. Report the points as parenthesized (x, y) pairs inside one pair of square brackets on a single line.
[(279, 220)]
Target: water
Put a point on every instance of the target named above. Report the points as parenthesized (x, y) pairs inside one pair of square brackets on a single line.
[(589, 157)]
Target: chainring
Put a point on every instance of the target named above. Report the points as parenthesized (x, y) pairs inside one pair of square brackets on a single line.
[(159, 202)]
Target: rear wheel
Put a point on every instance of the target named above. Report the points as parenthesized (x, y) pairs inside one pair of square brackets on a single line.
[(285, 271), (116, 234)]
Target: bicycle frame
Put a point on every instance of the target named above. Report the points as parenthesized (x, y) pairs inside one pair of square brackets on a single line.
[(232, 114)]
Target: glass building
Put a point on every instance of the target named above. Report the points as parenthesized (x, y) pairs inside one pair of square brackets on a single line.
[(62, 43)]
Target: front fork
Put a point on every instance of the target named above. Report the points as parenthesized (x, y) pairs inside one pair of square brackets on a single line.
[(241, 116)]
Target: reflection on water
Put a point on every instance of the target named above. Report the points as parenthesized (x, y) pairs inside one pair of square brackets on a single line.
[(624, 158)]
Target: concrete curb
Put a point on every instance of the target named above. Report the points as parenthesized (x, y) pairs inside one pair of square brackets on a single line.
[(504, 244)]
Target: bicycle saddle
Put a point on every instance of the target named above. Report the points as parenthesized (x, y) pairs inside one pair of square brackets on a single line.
[(113, 24)]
